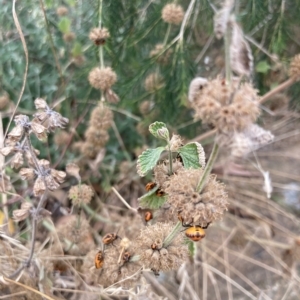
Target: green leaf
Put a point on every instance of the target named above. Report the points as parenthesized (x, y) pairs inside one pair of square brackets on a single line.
[(77, 49), (192, 155), (159, 130), (262, 67), (64, 25), (71, 2), (151, 200), (148, 159)]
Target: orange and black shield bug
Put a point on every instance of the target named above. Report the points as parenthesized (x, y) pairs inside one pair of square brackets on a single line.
[(148, 216), (149, 186), (179, 158), (126, 256), (99, 259), (160, 193), (109, 238), (195, 233)]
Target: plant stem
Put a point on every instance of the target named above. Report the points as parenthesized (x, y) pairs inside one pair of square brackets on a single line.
[(168, 240), (227, 54), (123, 200), (170, 161), (208, 168)]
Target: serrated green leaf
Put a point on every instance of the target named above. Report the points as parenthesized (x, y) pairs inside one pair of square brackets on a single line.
[(262, 67), (159, 130), (64, 25), (151, 200), (148, 159), (192, 155)]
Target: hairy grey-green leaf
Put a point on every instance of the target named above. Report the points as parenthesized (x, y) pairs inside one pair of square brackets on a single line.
[(148, 159)]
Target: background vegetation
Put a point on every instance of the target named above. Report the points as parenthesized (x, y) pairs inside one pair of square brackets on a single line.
[(251, 253)]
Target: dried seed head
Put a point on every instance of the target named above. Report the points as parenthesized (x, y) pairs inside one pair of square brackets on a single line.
[(44, 163), (78, 60), (241, 59), (27, 174), (175, 142), (196, 85), (222, 17), (99, 35), (17, 160), (153, 82), (7, 150), (40, 104), (4, 101), (294, 71), (88, 149), (172, 13), (15, 135), (112, 272), (50, 118), (101, 117), (125, 243), (39, 130), (75, 237), (23, 213), (161, 171), (154, 255), (61, 138), (73, 170), (160, 55), (5, 184), (39, 187), (102, 79), (145, 107), (228, 107), (243, 143), (58, 176), (197, 208), (96, 137), (69, 37), (81, 194), (62, 11)]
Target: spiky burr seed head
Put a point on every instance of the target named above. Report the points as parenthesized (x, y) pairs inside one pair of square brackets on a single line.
[(75, 237), (97, 137), (102, 79), (69, 37), (101, 117), (294, 71), (172, 13), (196, 208), (113, 270), (161, 56), (228, 107), (99, 35), (153, 254), (60, 138), (80, 194), (153, 82), (73, 169), (62, 11), (161, 171), (145, 107)]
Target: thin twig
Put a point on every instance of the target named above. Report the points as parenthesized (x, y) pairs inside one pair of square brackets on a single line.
[(123, 200), (16, 20)]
